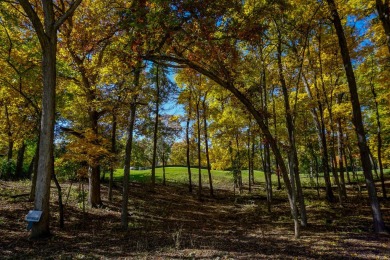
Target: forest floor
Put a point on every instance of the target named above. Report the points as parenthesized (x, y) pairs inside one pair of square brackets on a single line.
[(170, 223)]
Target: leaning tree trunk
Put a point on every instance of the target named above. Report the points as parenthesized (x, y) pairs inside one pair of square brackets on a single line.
[(259, 117), (379, 225)]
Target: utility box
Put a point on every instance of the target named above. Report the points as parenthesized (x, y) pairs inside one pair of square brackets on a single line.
[(33, 216)]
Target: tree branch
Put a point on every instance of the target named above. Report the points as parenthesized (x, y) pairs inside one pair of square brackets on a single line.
[(68, 13), (36, 22)]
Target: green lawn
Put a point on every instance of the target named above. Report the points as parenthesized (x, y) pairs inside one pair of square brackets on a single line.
[(220, 179)]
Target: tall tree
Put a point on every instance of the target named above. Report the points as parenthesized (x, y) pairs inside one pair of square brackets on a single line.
[(379, 225), (47, 34)]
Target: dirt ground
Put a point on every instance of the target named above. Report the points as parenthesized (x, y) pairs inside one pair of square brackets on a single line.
[(170, 223)]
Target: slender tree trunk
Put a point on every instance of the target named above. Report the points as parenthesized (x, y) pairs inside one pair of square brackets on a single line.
[(199, 157), (340, 156), (379, 225), (379, 138), (34, 172), (275, 124), (352, 164), (293, 156), (163, 166), (267, 154), (207, 145), (346, 164), (252, 173), (19, 162), (60, 204), (374, 166), (318, 117), (113, 151), (155, 132), (249, 159), (188, 142), (126, 174), (10, 141), (94, 196), (129, 143)]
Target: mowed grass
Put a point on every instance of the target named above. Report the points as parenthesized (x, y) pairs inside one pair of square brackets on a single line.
[(221, 179), (179, 175)]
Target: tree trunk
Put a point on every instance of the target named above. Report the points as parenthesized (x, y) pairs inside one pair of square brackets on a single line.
[(113, 151), (47, 35), (45, 164), (293, 156), (188, 142), (259, 117), (155, 131), (34, 173), (379, 138), (207, 145), (19, 162), (319, 121), (60, 204), (383, 9), (94, 198), (340, 156), (249, 159), (163, 166), (379, 225), (10, 142), (129, 143), (199, 157)]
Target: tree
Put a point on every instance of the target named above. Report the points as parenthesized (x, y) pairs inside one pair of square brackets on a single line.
[(379, 225), (47, 34)]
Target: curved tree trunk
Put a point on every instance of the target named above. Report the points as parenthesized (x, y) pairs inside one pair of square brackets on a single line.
[(259, 117)]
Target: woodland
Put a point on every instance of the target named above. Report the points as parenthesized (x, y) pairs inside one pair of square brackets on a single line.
[(195, 129)]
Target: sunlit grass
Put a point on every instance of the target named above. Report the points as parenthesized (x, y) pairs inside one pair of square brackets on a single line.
[(224, 179), (179, 175)]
